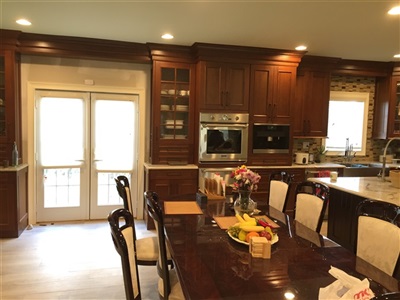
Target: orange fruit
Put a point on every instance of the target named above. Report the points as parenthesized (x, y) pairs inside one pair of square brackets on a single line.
[(250, 234)]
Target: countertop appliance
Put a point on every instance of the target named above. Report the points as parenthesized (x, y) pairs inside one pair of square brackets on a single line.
[(223, 137), (302, 158)]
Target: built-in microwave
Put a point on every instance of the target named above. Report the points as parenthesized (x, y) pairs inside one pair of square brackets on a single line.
[(223, 137), (271, 138)]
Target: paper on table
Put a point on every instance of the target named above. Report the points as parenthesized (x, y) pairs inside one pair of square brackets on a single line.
[(346, 287), (182, 208)]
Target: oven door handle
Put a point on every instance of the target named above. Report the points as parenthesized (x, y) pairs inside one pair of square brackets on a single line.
[(218, 126)]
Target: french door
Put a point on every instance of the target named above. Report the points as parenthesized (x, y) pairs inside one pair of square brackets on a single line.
[(83, 141)]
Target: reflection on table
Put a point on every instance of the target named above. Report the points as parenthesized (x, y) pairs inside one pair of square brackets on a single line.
[(211, 265)]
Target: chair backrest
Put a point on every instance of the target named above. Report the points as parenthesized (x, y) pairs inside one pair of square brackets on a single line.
[(279, 185), (378, 235), (311, 202), (124, 192), (122, 236), (155, 212)]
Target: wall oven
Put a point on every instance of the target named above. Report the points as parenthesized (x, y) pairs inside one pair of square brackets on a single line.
[(223, 137)]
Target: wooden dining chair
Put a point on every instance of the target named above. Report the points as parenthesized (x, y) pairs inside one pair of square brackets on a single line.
[(122, 228), (279, 185), (147, 247), (311, 202), (169, 286), (378, 235)]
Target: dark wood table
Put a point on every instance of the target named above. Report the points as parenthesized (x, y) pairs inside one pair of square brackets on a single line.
[(211, 265)]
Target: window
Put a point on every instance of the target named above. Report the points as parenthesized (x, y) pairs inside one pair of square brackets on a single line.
[(348, 118)]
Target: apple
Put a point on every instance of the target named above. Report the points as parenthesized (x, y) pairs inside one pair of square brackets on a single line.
[(266, 234)]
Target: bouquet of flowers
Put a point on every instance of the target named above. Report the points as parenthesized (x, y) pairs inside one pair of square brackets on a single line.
[(245, 179)]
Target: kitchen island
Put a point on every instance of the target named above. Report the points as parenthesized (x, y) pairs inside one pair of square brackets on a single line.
[(345, 194)]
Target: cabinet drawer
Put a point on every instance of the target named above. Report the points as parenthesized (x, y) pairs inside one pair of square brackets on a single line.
[(173, 174)]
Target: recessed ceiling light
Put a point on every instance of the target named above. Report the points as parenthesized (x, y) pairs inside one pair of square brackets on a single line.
[(394, 11), (301, 48), (24, 22), (396, 55), (167, 36)]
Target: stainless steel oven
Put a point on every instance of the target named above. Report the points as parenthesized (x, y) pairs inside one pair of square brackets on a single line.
[(223, 137)]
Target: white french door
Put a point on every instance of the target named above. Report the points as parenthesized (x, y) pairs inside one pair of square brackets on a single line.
[(83, 141)]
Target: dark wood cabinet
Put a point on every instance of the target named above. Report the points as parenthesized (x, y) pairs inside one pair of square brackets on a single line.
[(262, 193), (312, 103), (272, 93), (394, 107), (10, 129), (342, 221), (171, 184), (223, 86), (13, 201), (173, 107)]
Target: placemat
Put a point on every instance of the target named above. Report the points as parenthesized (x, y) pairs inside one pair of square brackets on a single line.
[(182, 208), (269, 221)]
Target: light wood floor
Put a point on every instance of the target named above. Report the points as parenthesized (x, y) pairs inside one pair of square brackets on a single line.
[(68, 261)]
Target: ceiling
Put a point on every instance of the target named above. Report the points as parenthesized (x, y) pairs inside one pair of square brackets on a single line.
[(349, 29)]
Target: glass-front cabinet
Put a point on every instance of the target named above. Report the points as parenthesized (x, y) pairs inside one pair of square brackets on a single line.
[(172, 111)]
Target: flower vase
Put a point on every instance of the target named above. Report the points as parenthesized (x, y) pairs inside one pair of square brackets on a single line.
[(244, 204)]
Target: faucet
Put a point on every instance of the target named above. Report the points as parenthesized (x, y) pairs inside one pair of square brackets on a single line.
[(348, 156), (384, 158)]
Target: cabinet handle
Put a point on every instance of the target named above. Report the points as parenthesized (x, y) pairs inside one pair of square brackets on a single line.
[(227, 102), (274, 111), (304, 126), (269, 111)]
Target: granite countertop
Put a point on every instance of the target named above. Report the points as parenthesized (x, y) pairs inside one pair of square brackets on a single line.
[(367, 187), (13, 169)]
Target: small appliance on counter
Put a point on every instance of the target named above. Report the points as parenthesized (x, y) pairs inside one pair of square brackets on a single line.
[(302, 158)]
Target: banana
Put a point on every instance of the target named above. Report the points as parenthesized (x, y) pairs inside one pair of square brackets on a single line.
[(246, 217), (250, 228), (239, 218), (248, 223)]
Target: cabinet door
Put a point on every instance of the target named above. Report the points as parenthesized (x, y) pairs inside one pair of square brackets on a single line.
[(224, 86), (172, 112), (9, 103), (312, 103), (283, 95), (261, 93), (315, 111)]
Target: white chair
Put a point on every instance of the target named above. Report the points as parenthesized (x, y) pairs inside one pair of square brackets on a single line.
[(378, 235), (169, 286), (311, 202), (279, 185), (123, 238)]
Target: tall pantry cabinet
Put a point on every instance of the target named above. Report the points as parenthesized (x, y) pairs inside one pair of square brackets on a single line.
[(13, 180)]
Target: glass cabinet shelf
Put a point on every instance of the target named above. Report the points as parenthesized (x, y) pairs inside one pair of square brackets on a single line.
[(174, 103)]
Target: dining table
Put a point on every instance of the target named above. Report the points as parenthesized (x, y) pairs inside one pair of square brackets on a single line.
[(212, 265)]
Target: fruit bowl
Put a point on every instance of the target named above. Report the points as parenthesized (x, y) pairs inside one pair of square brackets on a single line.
[(274, 240)]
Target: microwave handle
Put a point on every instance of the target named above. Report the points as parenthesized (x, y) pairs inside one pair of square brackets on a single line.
[(216, 127)]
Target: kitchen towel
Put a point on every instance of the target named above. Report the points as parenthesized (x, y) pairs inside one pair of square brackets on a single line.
[(182, 208)]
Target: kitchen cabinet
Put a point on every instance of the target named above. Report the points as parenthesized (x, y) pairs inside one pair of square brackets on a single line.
[(386, 122), (262, 193), (172, 113), (13, 201), (272, 93), (9, 103), (171, 184), (223, 86), (312, 104)]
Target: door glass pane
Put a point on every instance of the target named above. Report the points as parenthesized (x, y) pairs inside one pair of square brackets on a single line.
[(114, 130), (61, 187), (61, 131), (107, 191)]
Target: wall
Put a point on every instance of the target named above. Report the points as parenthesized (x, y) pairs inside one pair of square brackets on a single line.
[(70, 74), (352, 84)]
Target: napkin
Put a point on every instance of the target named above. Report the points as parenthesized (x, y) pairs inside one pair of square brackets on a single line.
[(346, 287)]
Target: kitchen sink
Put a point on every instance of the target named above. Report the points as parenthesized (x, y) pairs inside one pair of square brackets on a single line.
[(363, 170)]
